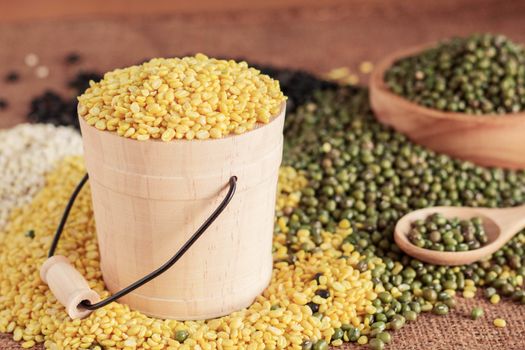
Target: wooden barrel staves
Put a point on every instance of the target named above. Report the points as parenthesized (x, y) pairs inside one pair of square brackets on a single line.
[(149, 197)]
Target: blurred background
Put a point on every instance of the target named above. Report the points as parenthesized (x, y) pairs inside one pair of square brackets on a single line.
[(44, 45)]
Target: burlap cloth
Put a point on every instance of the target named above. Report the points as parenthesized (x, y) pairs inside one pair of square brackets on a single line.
[(313, 39)]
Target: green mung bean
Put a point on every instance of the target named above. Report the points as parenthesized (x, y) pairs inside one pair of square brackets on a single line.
[(353, 334), (376, 344), (476, 313), (321, 345), (441, 309), (338, 334), (479, 74), (448, 234), (410, 315), (385, 337)]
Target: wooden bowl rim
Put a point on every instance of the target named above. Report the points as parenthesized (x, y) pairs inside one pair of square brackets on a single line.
[(377, 83)]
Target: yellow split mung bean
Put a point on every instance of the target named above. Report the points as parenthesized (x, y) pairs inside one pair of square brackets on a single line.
[(181, 98), (500, 323), (278, 319)]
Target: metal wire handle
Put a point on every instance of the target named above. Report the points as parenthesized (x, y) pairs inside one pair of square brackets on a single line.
[(180, 253)]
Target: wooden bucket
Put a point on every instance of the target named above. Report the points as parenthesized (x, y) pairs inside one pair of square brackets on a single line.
[(149, 197)]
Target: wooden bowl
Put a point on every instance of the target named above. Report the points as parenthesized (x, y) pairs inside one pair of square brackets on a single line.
[(489, 140)]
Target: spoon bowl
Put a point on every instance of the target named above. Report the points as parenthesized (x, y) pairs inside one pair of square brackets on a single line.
[(500, 225)]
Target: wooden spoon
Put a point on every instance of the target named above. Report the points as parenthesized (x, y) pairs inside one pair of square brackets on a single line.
[(500, 224)]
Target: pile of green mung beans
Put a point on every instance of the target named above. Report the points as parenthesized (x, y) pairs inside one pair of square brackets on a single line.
[(367, 173), (437, 232), (479, 74)]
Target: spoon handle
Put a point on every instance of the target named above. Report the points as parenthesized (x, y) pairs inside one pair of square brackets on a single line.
[(510, 221)]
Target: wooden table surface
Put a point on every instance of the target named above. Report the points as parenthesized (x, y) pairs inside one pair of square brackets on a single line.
[(313, 37), (310, 37)]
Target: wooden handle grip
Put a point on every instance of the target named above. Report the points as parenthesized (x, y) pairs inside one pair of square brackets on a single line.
[(68, 285)]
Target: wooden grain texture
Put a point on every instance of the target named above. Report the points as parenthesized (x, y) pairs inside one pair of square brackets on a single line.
[(24, 10), (500, 224), (489, 140), (150, 197), (68, 285)]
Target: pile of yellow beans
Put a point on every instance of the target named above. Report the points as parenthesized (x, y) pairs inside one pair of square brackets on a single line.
[(181, 98), (278, 319)]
